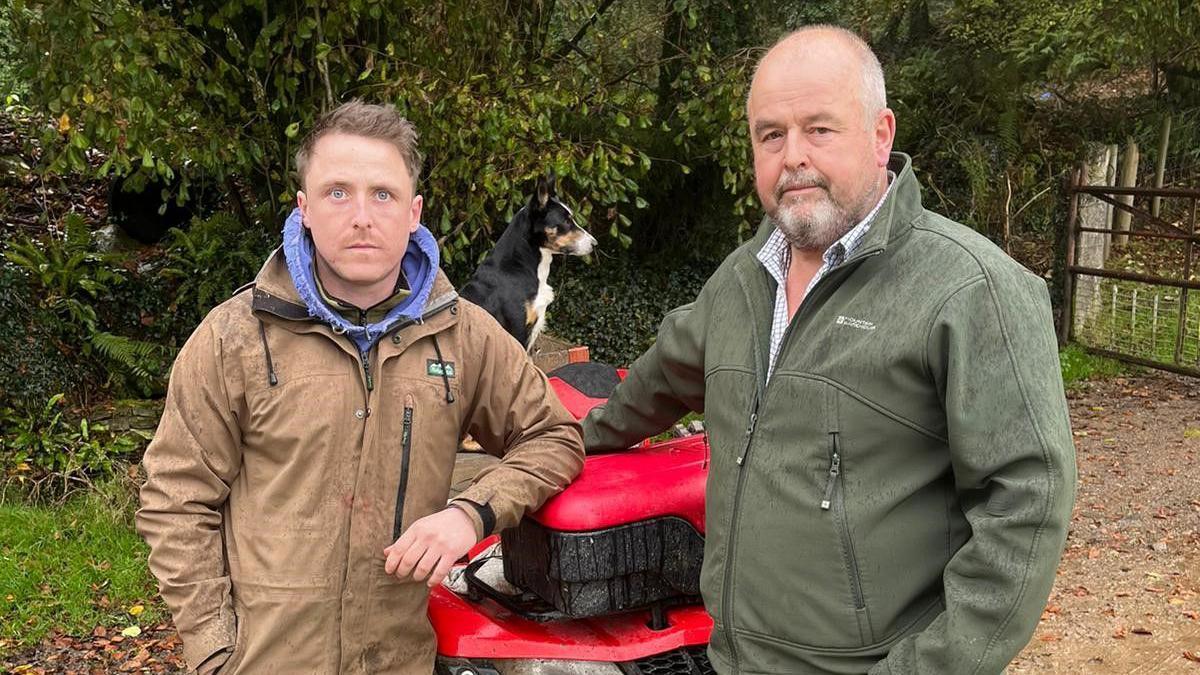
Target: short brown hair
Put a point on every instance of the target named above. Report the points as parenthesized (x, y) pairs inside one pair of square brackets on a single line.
[(372, 121)]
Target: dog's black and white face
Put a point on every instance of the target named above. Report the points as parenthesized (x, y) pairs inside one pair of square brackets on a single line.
[(552, 223)]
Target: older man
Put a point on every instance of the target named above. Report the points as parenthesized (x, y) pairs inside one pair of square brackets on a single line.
[(892, 468), (295, 504)]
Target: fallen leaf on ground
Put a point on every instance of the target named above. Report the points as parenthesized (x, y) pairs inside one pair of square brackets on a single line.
[(132, 631)]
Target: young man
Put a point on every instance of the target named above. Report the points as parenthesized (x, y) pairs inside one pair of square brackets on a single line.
[(295, 504), (892, 467)]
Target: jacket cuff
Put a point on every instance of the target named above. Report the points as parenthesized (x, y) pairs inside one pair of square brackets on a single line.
[(214, 663), (482, 516), (207, 641)]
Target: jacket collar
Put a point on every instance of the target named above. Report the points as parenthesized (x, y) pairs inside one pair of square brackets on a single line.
[(275, 295)]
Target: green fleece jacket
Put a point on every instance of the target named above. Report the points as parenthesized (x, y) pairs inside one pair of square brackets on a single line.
[(896, 498)]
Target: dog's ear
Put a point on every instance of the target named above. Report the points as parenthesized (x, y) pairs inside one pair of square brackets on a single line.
[(545, 188)]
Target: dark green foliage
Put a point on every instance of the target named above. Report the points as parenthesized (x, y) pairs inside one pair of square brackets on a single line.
[(191, 272), (70, 280), (996, 100), (10, 83), (205, 264), (616, 305), (37, 362), (638, 105), (49, 455), (499, 92)]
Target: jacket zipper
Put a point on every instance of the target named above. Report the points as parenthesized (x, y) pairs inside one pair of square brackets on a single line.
[(405, 448), (366, 366), (727, 590), (840, 520), (835, 467)]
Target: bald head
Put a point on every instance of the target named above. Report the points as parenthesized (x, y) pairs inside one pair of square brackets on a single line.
[(835, 50), (821, 135)]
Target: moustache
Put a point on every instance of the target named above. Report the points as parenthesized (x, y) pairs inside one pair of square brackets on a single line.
[(794, 182)]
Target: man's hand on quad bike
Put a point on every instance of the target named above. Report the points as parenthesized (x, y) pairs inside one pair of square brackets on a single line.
[(429, 547)]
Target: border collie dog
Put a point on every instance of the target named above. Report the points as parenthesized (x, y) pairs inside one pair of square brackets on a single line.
[(512, 282)]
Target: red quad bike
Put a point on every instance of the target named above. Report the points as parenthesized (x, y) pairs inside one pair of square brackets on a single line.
[(604, 579)]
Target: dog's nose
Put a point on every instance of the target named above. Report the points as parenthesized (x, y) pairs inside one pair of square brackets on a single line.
[(586, 243)]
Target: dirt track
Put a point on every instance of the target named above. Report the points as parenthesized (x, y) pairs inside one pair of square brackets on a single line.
[(1127, 596)]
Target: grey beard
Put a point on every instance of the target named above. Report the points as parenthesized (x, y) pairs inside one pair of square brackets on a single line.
[(816, 231), (823, 226)]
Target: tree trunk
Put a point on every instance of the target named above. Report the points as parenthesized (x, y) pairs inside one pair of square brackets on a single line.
[(673, 35)]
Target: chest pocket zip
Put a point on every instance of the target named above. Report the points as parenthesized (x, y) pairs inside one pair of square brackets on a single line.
[(405, 453)]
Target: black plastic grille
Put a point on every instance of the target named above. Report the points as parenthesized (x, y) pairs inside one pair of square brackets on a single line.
[(689, 661), (700, 658)]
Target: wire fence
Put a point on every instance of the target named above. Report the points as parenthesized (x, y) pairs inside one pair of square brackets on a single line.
[(1141, 320)]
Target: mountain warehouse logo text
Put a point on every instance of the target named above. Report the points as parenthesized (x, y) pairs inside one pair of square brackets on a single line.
[(851, 322)]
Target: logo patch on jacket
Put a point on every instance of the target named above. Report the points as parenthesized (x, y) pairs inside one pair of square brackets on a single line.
[(436, 368), (861, 324)]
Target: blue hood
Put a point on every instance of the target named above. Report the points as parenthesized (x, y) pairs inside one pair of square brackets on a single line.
[(420, 265)]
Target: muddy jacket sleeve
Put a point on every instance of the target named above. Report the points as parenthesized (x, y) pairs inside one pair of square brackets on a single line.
[(663, 385), (189, 465), (514, 414), (993, 355)]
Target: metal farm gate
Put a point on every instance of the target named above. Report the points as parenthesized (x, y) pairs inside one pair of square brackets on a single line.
[(1131, 287)]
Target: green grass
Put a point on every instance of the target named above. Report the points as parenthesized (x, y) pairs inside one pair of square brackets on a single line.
[(1079, 365), (72, 567)]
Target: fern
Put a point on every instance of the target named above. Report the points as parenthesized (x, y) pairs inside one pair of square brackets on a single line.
[(134, 357), (77, 233), (1008, 132)]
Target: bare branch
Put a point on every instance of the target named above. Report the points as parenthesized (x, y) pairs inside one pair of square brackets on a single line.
[(571, 45)]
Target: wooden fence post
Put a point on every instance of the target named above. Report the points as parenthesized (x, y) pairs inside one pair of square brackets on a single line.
[(1164, 143), (1121, 217)]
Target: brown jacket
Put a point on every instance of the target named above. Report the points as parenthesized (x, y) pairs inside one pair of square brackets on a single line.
[(280, 469)]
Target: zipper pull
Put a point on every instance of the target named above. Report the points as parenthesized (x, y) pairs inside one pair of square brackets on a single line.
[(835, 468), (749, 432)]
